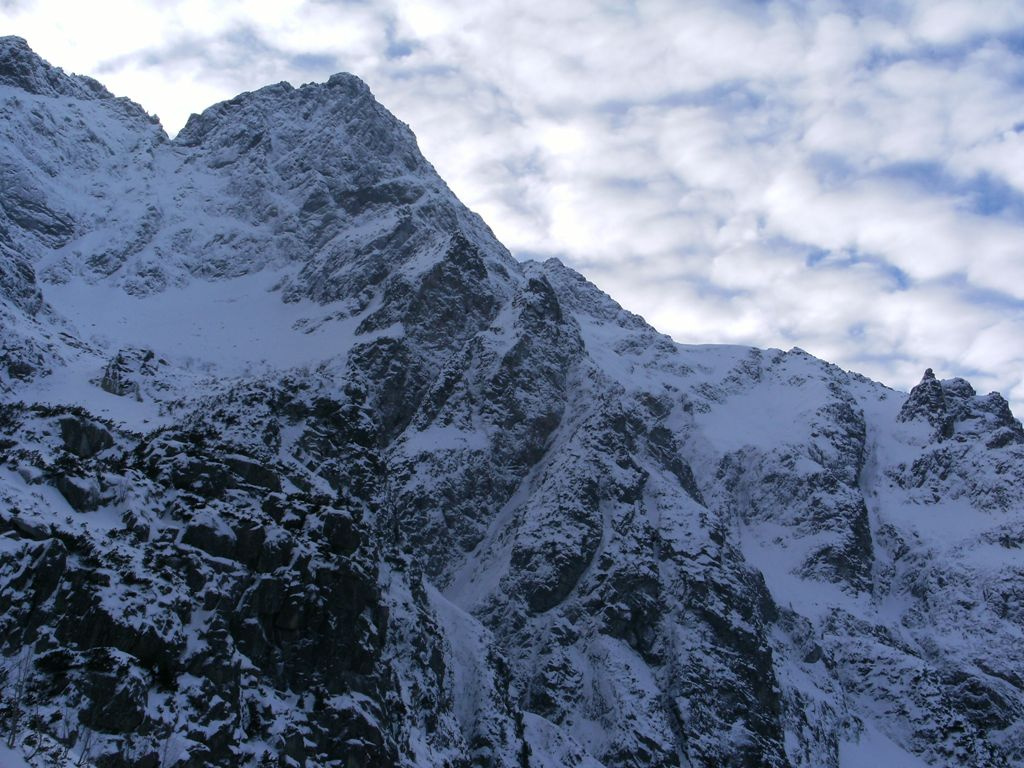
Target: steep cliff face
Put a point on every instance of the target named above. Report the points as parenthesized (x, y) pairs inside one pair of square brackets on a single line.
[(300, 467)]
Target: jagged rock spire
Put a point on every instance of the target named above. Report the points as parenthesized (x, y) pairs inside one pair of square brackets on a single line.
[(927, 401)]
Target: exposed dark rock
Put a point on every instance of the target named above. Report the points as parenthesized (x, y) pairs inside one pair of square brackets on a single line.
[(30, 530), (928, 401), (127, 370), (116, 691), (216, 541), (84, 438), (253, 472), (82, 493)]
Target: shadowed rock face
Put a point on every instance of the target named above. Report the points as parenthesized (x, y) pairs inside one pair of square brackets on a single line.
[(385, 496)]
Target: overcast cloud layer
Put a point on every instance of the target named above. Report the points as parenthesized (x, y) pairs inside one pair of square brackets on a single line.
[(847, 178)]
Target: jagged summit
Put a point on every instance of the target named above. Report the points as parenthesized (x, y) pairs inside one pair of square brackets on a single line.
[(299, 466), (317, 193), (349, 93), (24, 69), (953, 409)]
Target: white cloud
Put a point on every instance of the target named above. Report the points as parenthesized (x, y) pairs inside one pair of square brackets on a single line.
[(948, 22)]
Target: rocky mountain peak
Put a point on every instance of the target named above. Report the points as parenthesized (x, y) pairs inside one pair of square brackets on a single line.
[(342, 107), (23, 68), (927, 401), (298, 466), (953, 407)]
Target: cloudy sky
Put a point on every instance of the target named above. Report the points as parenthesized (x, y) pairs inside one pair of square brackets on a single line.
[(843, 177)]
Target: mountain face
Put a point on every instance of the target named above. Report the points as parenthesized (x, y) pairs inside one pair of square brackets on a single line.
[(298, 466)]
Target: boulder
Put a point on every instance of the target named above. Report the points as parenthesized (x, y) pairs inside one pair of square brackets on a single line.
[(84, 437), (82, 493)]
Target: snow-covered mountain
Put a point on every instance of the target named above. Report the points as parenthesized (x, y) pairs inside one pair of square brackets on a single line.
[(298, 466)]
